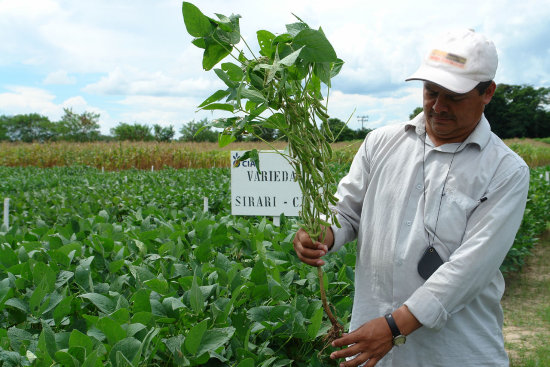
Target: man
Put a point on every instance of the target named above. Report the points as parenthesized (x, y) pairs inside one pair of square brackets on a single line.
[(435, 204)]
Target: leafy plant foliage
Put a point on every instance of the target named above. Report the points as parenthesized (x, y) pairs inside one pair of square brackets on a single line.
[(125, 268)]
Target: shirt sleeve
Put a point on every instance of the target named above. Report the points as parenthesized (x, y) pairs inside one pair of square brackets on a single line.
[(350, 195), (489, 235)]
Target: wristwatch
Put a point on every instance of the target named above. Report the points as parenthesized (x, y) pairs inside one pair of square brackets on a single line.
[(398, 339)]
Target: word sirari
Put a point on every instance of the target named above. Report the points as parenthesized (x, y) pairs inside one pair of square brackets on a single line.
[(271, 176)]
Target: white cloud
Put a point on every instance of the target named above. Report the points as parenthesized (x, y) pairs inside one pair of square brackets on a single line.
[(135, 60), (60, 77), (22, 100), (131, 81)]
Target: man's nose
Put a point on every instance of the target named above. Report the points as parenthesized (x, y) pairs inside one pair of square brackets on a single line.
[(440, 104)]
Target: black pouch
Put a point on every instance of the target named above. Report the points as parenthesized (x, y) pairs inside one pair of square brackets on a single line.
[(429, 263)]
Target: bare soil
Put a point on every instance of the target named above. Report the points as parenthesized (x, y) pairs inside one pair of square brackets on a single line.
[(526, 305)]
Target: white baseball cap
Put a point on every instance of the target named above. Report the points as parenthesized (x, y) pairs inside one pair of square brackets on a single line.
[(459, 61)]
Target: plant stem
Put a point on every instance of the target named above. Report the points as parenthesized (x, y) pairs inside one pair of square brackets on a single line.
[(326, 306)]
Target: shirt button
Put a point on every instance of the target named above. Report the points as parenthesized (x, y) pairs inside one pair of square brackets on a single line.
[(408, 222), (399, 262), (419, 187)]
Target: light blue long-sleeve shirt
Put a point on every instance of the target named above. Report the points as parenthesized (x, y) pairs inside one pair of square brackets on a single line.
[(381, 203)]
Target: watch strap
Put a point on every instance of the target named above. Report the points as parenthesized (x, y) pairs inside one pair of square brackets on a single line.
[(393, 326)]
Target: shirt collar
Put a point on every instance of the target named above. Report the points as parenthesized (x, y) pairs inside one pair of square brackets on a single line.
[(480, 136)]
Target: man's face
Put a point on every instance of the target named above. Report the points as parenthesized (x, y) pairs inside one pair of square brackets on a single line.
[(451, 117)]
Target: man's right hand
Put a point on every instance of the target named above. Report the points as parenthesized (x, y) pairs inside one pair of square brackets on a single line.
[(311, 252)]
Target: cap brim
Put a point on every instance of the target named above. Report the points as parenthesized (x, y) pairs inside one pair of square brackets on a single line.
[(443, 78)]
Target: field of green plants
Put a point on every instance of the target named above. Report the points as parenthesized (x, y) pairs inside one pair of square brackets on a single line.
[(125, 269)]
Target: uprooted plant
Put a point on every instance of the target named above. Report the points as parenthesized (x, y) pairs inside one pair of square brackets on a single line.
[(281, 89)]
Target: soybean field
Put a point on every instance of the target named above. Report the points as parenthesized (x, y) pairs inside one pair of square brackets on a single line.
[(127, 268)]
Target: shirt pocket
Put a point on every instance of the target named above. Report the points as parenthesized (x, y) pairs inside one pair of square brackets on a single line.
[(456, 208)]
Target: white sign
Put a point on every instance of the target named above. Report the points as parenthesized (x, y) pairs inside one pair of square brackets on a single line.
[(271, 192)]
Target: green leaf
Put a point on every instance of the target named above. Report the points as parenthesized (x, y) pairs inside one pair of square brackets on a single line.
[(290, 59), (129, 348), (276, 121), (253, 95), (112, 330), (8, 257), (197, 24), (196, 298), (78, 339), (62, 309), (315, 324), (66, 359), (18, 304), (194, 337), (248, 362), (234, 72), (317, 47), (158, 285), (219, 106), (49, 339), (295, 28), (215, 97), (253, 155), (224, 140), (225, 78), (265, 40), (214, 53), (214, 339), (103, 303), (38, 296), (42, 273), (323, 72), (91, 359), (336, 67)]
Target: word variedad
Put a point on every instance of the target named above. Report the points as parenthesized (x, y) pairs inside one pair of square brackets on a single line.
[(271, 176)]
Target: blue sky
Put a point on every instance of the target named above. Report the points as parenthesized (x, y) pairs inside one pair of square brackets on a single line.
[(132, 61)]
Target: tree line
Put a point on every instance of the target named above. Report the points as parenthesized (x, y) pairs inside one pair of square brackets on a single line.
[(85, 128), (517, 111), (514, 112)]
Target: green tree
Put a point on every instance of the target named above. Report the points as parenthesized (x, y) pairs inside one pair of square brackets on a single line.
[(164, 134), (518, 111), (190, 131), (415, 112), (27, 128), (340, 130), (79, 127), (135, 132)]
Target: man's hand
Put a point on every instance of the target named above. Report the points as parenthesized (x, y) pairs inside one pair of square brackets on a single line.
[(310, 252), (372, 341)]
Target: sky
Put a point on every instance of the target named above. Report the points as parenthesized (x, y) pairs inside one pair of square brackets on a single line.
[(132, 61)]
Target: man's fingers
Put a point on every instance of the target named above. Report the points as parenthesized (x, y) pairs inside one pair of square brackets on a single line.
[(313, 261), (308, 251), (346, 352), (345, 339)]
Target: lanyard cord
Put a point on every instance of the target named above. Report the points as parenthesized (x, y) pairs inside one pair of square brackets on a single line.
[(442, 190)]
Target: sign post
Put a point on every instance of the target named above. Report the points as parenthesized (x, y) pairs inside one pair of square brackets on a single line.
[(272, 191)]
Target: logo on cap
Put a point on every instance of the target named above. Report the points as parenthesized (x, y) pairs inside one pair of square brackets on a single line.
[(448, 58)]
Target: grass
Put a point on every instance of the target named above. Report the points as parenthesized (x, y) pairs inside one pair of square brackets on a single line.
[(526, 305)]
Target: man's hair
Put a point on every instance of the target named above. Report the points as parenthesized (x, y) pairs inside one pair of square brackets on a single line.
[(482, 86)]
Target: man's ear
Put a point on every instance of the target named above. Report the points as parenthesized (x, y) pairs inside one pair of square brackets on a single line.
[(489, 92)]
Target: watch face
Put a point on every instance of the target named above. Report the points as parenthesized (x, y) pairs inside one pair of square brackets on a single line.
[(399, 340)]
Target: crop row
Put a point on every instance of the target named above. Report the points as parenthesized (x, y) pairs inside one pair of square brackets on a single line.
[(125, 269), (132, 155)]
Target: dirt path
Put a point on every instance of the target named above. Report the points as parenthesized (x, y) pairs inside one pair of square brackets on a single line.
[(526, 305)]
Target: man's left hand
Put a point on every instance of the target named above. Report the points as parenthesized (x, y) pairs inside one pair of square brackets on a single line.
[(370, 342)]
